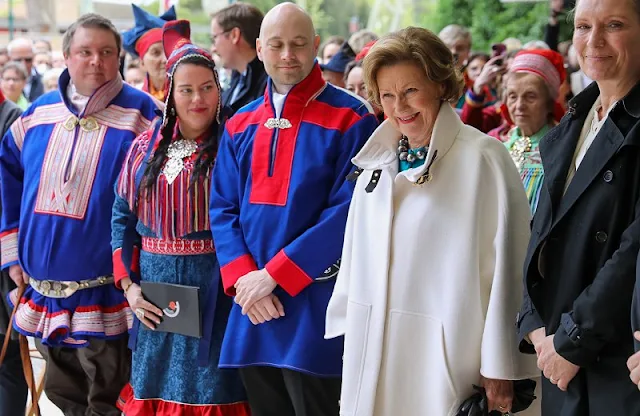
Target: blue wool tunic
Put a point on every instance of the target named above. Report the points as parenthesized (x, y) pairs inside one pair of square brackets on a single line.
[(57, 170), (279, 201)]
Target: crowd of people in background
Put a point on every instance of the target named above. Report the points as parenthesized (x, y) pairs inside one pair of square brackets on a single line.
[(35, 67), (29, 68)]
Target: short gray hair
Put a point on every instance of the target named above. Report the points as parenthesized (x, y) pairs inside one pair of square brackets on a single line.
[(17, 41), (453, 33), (361, 38), (92, 21), (535, 44), (16, 66)]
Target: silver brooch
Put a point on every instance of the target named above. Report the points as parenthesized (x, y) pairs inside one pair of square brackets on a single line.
[(176, 153), (279, 123)]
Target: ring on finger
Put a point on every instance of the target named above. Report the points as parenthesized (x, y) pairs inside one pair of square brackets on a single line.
[(140, 313), (554, 381), (502, 407)]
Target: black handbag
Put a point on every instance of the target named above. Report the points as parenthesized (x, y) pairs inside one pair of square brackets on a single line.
[(477, 404)]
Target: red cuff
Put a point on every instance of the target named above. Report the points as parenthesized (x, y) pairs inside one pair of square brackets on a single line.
[(234, 270), (288, 274), (120, 270)]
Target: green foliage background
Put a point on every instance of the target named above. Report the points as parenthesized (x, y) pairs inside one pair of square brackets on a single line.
[(490, 21)]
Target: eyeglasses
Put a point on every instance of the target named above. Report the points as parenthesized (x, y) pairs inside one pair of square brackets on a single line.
[(10, 79), (214, 37), (25, 60)]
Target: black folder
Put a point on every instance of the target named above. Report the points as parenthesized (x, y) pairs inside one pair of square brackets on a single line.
[(180, 307)]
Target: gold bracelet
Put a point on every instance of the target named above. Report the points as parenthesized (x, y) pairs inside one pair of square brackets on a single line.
[(127, 288)]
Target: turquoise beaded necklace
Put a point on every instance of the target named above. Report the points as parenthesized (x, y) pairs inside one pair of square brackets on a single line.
[(410, 158)]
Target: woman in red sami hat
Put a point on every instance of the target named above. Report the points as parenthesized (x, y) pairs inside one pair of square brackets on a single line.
[(164, 185), (145, 41), (531, 104)]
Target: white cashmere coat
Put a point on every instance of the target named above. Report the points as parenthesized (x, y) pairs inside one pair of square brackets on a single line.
[(431, 275)]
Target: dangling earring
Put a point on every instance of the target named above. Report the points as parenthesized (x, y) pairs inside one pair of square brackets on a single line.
[(172, 112)]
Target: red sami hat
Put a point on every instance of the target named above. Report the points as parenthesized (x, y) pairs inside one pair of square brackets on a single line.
[(545, 63), (176, 40)]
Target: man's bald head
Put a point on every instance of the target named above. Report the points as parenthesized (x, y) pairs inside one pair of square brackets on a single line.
[(290, 13), (21, 50), (287, 45)]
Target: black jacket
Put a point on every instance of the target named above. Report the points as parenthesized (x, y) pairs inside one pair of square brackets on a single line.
[(37, 87), (580, 266), (9, 112), (253, 89)]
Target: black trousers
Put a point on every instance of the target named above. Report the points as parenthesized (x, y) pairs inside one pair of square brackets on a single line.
[(13, 388), (87, 381), (281, 392)]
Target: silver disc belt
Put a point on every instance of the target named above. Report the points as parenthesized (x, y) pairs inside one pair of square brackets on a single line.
[(58, 289)]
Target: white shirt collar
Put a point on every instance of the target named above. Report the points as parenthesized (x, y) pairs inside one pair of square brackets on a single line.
[(78, 100)]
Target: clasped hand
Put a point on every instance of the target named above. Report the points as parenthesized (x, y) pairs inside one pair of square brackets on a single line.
[(633, 364), (254, 293), (557, 369)]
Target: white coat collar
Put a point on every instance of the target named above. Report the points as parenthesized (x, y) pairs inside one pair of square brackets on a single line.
[(380, 150)]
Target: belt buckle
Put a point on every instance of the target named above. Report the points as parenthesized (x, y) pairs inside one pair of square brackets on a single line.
[(53, 288), (72, 287)]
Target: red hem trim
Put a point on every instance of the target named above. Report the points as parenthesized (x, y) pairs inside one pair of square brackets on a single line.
[(288, 274), (8, 232), (131, 406), (234, 270)]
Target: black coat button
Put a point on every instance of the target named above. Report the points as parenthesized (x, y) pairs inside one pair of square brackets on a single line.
[(608, 176), (601, 237)]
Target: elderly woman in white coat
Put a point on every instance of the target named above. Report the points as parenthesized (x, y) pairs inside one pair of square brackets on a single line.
[(431, 275)]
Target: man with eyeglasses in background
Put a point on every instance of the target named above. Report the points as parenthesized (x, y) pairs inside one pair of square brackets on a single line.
[(21, 50), (234, 31)]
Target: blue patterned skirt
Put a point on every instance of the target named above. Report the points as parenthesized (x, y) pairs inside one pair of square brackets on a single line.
[(164, 365)]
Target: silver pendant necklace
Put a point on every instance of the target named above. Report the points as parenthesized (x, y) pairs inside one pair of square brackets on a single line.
[(177, 152)]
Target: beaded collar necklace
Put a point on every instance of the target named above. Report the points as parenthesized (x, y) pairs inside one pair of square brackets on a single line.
[(410, 157)]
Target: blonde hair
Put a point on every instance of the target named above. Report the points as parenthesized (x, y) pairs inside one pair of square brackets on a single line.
[(417, 46)]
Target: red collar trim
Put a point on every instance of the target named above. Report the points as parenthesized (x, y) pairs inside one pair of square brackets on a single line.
[(301, 93)]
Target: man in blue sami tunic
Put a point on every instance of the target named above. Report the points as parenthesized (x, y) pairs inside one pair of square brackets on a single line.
[(58, 165), (279, 206)]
